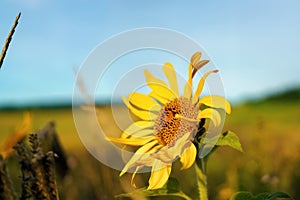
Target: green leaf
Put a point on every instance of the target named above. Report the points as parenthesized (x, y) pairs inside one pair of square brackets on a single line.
[(242, 196), (173, 185), (278, 195), (262, 196), (172, 188), (230, 139)]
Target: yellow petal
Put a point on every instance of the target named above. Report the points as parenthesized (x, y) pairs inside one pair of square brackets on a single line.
[(168, 154), (132, 141), (159, 175), (216, 102), (189, 84), (192, 120), (158, 98), (144, 102), (163, 92), (149, 158), (135, 127), (133, 175), (212, 114), (187, 90), (145, 115), (201, 85), (159, 87), (190, 74), (170, 73), (143, 133), (137, 156), (150, 78), (188, 157)]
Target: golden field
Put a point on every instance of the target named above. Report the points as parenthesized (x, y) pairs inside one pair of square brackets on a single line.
[(268, 130)]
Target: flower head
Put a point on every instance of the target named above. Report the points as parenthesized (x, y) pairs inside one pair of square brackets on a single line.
[(169, 122)]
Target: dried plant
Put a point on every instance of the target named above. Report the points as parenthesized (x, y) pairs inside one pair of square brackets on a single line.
[(25, 162), (8, 40), (38, 170), (6, 189), (50, 142), (38, 187), (49, 164)]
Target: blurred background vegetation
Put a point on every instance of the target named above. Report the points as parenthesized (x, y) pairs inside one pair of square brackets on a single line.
[(268, 129)]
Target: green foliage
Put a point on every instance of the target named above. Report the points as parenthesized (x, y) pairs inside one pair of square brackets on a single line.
[(230, 139), (201, 178), (288, 95), (172, 188), (262, 196)]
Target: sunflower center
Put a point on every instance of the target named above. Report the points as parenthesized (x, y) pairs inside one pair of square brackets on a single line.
[(169, 127)]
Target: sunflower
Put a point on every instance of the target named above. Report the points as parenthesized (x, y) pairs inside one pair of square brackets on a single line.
[(169, 122)]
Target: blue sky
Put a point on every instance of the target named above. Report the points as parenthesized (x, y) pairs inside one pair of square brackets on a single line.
[(255, 44)]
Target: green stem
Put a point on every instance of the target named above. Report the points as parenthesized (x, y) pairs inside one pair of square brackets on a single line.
[(201, 179)]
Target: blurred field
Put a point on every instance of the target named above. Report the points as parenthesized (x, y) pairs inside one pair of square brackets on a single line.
[(269, 132)]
